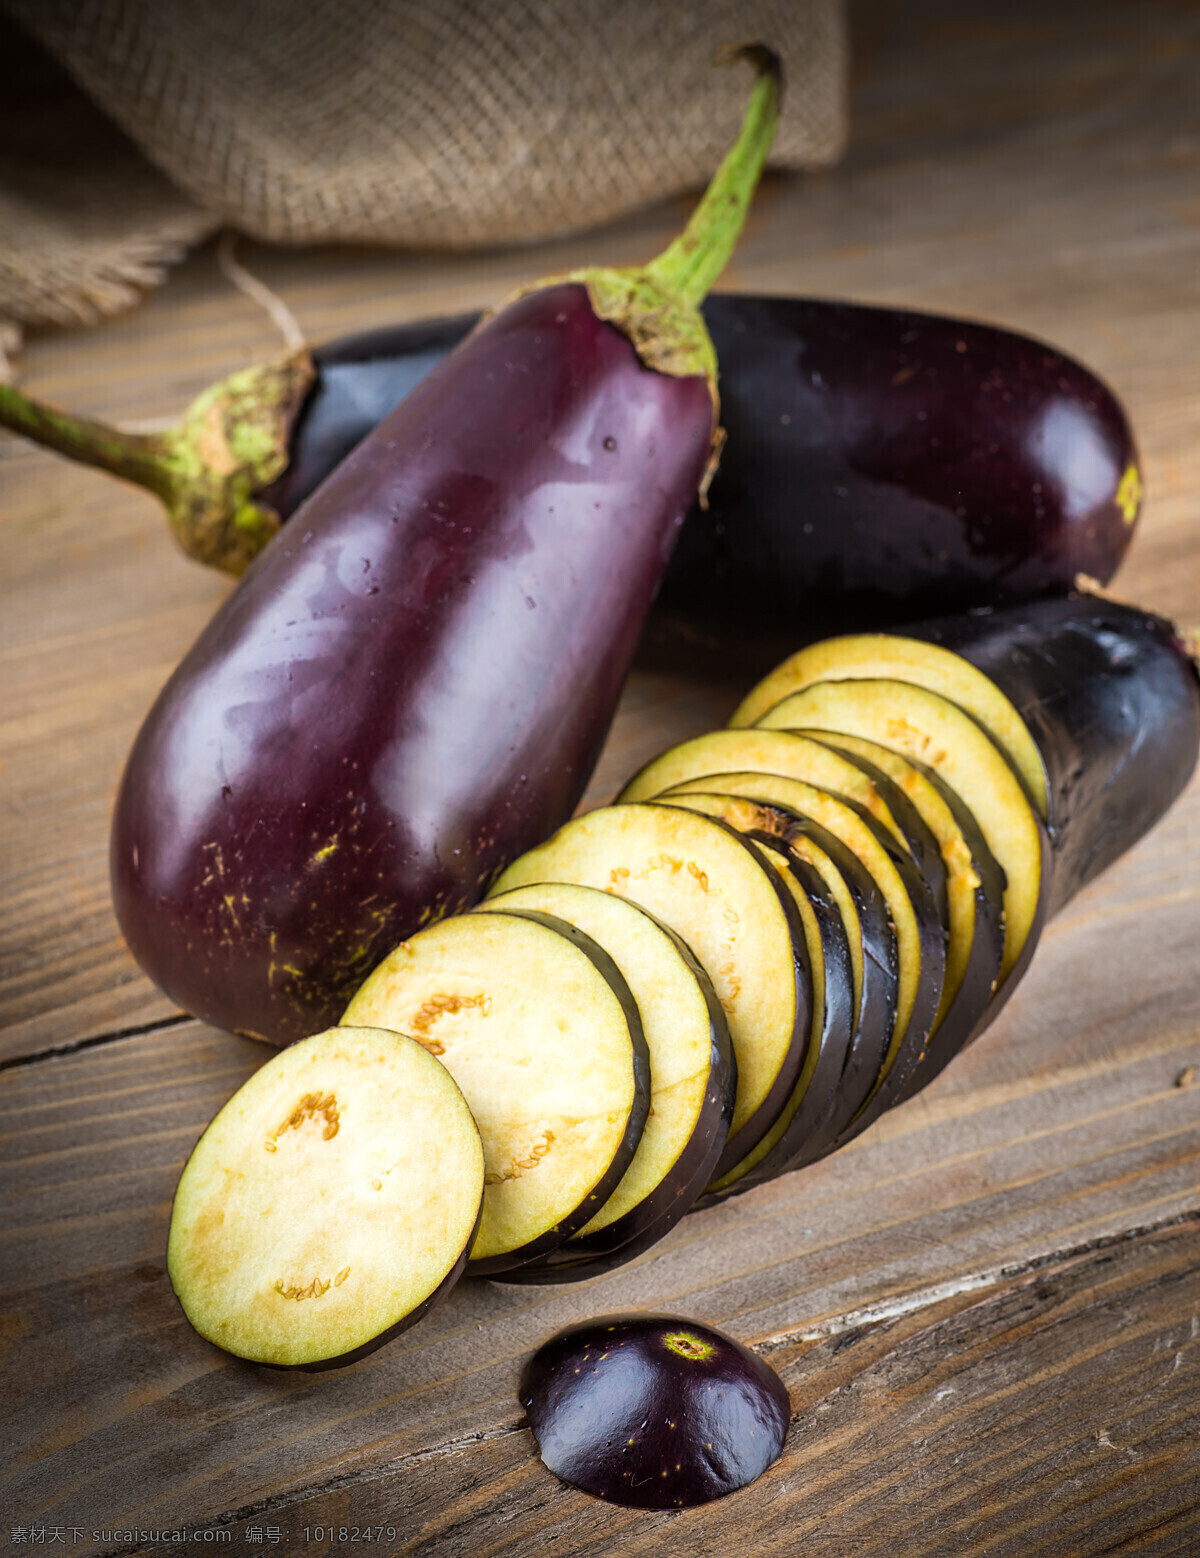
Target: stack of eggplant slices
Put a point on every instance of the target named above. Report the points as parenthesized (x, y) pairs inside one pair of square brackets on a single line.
[(778, 930)]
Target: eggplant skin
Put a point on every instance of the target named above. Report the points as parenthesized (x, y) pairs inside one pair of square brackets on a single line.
[(653, 1411), (1111, 697), (412, 684), (880, 464)]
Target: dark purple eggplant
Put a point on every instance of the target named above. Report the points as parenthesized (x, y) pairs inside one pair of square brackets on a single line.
[(891, 463), (412, 684), (652, 1411), (880, 463), (1111, 697)]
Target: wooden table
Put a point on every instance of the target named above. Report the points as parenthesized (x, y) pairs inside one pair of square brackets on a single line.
[(987, 1310)]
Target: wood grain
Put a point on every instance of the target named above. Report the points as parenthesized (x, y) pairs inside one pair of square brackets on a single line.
[(1055, 1415), (984, 1354)]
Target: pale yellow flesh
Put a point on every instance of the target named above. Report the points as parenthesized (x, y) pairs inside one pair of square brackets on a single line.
[(330, 1198), (765, 751), (929, 729), (744, 816), (908, 660), (539, 1043), (847, 825), (701, 880), (675, 1020), (962, 880)]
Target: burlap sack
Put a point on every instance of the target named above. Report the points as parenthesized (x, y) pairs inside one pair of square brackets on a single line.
[(422, 123)]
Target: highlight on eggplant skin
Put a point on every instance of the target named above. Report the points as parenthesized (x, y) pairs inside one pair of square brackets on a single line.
[(653, 1411)]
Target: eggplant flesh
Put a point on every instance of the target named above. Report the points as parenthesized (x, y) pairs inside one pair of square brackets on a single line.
[(881, 463), (537, 1025), (692, 1076), (413, 684), (331, 1202)]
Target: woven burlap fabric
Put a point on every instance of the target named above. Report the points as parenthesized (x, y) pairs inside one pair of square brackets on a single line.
[(439, 124)]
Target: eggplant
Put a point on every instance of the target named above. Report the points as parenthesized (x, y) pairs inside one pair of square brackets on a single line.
[(413, 683), (881, 463), (810, 1120), (652, 1411), (531, 1013), (693, 1076), (330, 1204), (698, 877), (874, 960), (1108, 693)]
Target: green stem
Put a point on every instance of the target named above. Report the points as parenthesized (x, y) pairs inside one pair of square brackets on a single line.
[(691, 264), (134, 457)]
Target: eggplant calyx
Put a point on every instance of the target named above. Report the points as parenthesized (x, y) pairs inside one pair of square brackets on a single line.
[(231, 443), (657, 306)]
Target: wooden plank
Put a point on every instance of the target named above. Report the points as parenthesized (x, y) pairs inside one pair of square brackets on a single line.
[(1046, 1136), (1054, 1415)]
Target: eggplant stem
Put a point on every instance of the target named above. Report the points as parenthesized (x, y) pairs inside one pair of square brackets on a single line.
[(690, 265), (135, 457)]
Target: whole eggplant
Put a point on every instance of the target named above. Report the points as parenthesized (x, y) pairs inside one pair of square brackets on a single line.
[(411, 685), (880, 464)]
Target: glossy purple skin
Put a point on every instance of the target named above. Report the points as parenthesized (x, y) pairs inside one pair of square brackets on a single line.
[(1112, 700), (889, 463), (881, 463), (653, 1411), (411, 685)]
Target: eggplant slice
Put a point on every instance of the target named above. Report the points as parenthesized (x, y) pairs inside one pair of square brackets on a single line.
[(703, 881), (927, 728), (537, 1026), (692, 1074), (871, 936), (974, 916), (810, 1120), (919, 936), (329, 1204), (925, 664)]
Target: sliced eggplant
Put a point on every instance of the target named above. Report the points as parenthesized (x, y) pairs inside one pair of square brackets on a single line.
[(692, 1070), (698, 877), (652, 1411), (538, 1027), (763, 751), (904, 659), (874, 957), (975, 901), (797, 756), (810, 1120), (331, 1202), (919, 937), (929, 729)]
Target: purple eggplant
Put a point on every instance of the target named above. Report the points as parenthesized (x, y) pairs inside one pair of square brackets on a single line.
[(652, 1411), (880, 464), (411, 685)]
